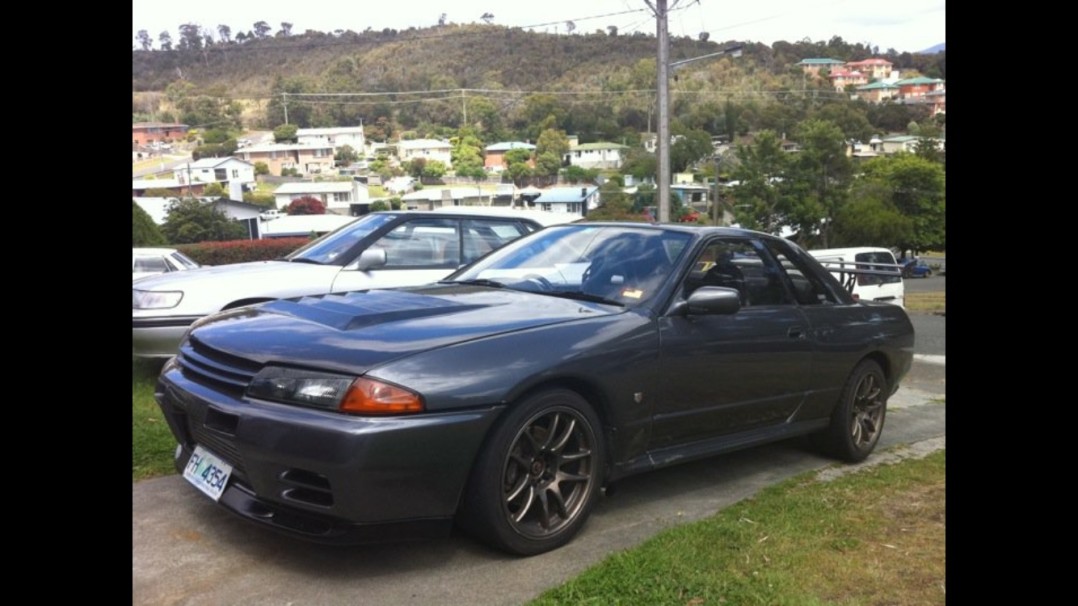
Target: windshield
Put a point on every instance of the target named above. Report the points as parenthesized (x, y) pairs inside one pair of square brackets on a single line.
[(331, 248), (620, 264)]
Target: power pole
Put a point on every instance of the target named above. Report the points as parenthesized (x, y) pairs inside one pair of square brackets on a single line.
[(663, 142), (284, 104)]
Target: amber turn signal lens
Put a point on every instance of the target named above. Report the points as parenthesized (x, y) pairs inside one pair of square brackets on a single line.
[(370, 397)]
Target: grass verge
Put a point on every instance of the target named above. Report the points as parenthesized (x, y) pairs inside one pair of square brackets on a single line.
[(872, 537), (926, 301), (152, 444)]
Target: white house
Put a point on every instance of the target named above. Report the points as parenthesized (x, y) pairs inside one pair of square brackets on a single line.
[(601, 154), (352, 136), (568, 199), (428, 149), (234, 175), (338, 196)]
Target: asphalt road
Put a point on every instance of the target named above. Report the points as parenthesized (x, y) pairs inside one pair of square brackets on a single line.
[(929, 328)]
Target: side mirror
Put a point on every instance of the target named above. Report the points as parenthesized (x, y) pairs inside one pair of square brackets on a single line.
[(711, 300), (372, 258)]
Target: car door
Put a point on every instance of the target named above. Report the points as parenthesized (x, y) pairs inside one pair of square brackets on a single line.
[(414, 255), (727, 373), (423, 250)]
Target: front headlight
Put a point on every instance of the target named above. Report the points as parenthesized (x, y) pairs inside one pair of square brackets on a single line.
[(341, 393), (154, 299)]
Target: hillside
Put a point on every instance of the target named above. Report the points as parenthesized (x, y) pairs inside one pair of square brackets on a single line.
[(487, 61)]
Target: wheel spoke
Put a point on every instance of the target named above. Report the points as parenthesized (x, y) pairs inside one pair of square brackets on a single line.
[(564, 439), (576, 456), (520, 514), (514, 492), (551, 431)]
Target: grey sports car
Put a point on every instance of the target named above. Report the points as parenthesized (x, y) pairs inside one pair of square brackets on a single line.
[(504, 397)]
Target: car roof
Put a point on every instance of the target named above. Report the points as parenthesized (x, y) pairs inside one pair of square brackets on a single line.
[(542, 217), (150, 251)]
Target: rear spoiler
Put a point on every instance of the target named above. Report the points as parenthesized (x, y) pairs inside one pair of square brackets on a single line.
[(847, 271)]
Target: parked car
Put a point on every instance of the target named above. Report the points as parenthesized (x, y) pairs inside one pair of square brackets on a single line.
[(379, 249), (271, 214), (504, 397), (151, 261), (869, 273), (916, 268)]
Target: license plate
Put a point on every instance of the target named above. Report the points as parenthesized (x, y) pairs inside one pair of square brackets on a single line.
[(207, 472)]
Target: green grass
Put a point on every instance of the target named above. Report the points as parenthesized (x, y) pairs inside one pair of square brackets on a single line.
[(152, 444), (872, 537)]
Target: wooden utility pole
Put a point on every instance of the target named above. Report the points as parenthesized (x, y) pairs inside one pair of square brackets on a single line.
[(663, 141)]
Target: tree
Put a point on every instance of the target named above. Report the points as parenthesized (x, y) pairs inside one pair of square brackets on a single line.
[(190, 36), (441, 19), (225, 32), (434, 169), (917, 189), (570, 27), (285, 133), (144, 232), (261, 168), (286, 30), (191, 220), (870, 219), (346, 155), (704, 36), (306, 205), (689, 148), (214, 190), (166, 41), (927, 145), (614, 205), (612, 31), (761, 177), (262, 29), (488, 18), (144, 39), (822, 174), (415, 167)]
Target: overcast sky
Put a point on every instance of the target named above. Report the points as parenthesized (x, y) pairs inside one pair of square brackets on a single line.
[(904, 25)]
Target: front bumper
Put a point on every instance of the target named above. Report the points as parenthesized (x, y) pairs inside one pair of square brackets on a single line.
[(324, 476), (158, 337)]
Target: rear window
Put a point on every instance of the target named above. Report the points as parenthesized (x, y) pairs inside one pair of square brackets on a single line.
[(887, 263)]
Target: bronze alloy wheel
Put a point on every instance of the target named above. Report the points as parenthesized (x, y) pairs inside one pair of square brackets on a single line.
[(547, 472), (866, 419), (538, 476)]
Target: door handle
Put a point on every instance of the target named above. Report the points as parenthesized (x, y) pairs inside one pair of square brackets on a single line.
[(795, 332)]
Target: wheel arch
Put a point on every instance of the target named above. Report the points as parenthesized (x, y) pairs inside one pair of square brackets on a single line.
[(585, 388)]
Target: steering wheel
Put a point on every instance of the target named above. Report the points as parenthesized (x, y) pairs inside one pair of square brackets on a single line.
[(540, 280)]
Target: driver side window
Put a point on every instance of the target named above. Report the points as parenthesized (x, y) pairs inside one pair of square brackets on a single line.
[(737, 264)]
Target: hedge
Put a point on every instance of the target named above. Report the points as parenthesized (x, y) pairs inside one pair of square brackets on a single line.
[(239, 251)]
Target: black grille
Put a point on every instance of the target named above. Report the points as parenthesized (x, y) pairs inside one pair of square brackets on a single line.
[(209, 366)]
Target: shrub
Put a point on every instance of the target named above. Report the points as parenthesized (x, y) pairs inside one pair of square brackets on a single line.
[(241, 251), (144, 232)]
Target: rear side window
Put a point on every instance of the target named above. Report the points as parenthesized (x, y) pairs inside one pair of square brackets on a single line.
[(886, 263)]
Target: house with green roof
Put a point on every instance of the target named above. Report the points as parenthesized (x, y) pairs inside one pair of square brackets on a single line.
[(918, 87), (877, 91), (601, 154), (813, 66)]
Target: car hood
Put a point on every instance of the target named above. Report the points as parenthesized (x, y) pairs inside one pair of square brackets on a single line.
[(356, 331), (209, 289), (254, 271)]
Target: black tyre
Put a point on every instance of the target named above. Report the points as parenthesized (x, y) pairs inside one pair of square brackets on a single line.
[(538, 476), (858, 419)]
